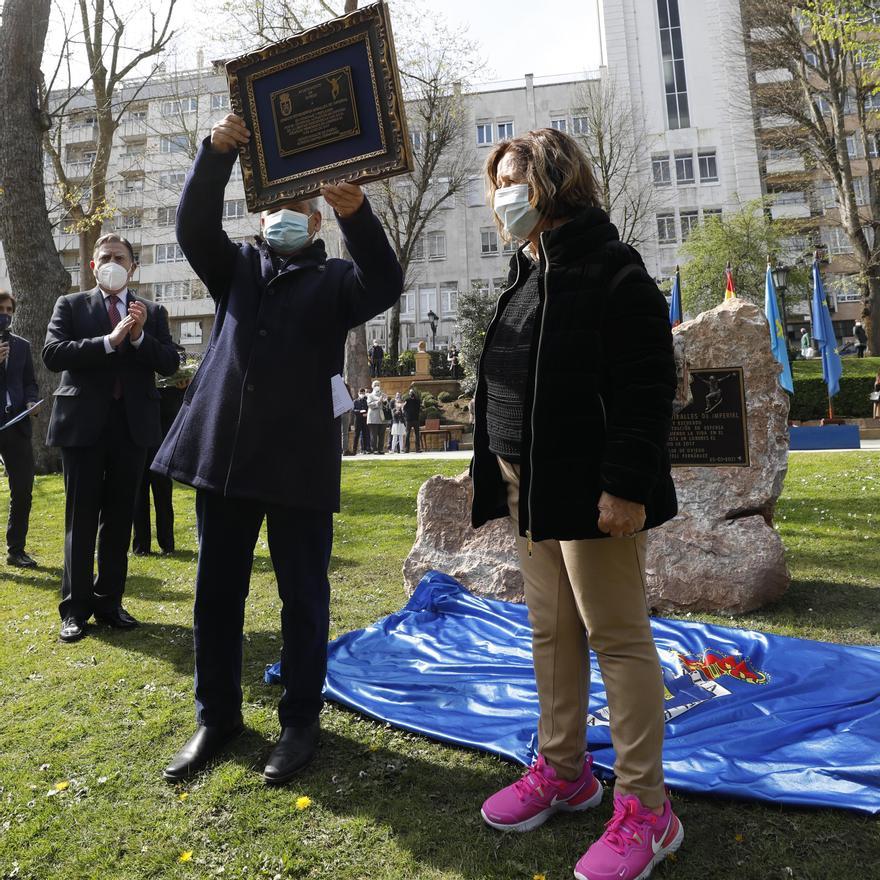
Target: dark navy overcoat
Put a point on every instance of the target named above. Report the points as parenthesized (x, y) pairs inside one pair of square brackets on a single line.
[(257, 420)]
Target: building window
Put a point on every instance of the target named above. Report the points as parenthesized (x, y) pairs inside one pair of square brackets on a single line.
[(166, 216), (169, 253), (484, 133), (427, 300), (130, 221), (826, 192), (499, 285), (476, 193), (488, 240), (852, 146), (675, 82), (437, 245), (838, 241), (172, 179), (233, 209), (417, 252), (860, 188), (505, 130), (579, 125), (190, 332), (689, 222), (171, 290), (174, 143), (509, 247), (666, 229), (407, 303), (449, 298), (684, 168), (708, 166), (415, 138), (442, 191), (662, 173), (478, 285), (220, 102), (181, 105), (560, 123), (709, 213), (872, 102), (873, 144)]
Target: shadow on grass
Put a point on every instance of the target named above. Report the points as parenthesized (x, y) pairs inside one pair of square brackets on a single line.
[(833, 605)]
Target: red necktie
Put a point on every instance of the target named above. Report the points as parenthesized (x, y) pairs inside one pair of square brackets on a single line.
[(115, 318)]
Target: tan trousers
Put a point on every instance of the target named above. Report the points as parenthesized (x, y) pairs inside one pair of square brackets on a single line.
[(595, 588)]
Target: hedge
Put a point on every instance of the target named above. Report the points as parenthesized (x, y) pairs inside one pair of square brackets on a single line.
[(810, 400)]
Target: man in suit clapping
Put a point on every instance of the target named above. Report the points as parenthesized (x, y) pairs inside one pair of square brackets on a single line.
[(107, 344)]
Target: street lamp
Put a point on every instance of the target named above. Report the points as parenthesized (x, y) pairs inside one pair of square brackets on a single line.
[(780, 279), (432, 320)]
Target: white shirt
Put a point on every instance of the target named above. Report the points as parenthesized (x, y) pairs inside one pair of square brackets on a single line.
[(122, 307)]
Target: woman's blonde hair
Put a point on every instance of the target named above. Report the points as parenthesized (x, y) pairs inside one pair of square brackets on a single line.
[(560, 179)]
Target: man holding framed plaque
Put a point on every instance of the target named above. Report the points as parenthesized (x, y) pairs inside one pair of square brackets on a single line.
[(257, 438)]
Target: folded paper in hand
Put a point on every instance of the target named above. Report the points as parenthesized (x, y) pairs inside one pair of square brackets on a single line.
[(342, 401)]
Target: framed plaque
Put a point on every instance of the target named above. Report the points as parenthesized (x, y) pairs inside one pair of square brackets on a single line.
[(322, 106), (712, 431)]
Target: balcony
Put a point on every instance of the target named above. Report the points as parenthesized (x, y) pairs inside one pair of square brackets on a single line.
[(77, 170), (133, 163), (133, 129), (79, 134), (127, 200), (790, 210), (786, 165)]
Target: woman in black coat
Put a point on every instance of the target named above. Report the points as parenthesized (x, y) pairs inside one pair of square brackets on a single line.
[(582, 319)]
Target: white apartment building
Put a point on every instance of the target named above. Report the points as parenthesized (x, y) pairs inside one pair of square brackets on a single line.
[(681, 65)]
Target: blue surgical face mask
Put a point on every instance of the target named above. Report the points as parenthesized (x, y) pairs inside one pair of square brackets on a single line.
[(512, 206), (286, 231)]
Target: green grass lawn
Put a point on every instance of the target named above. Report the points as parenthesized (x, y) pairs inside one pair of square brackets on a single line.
[(85, 729)]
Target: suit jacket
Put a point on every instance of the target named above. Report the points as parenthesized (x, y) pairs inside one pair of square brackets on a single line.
[(75, 348), (20, 382)]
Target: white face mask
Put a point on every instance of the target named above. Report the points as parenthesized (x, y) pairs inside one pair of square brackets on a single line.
[(511, 204), (112, 277)]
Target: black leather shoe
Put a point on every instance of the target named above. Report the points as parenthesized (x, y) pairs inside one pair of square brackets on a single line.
[(20, 559), (295, 749), (200, 749), (72, 630), (140, 551), (118, 618)]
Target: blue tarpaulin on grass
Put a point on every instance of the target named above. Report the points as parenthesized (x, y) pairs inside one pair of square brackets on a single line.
[(749, 715)]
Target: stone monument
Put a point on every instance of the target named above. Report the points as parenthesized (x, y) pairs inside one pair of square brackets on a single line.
[(721, 553)]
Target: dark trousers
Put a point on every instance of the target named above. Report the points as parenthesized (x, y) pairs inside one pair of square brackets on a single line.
[(414, 426), (299, 544), (18, 459), (162, 488), (375, 369), (100, 484), (377, 437), (860, 349), (360, 431)]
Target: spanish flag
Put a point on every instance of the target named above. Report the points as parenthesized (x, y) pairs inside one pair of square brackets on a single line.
[(730, 290)]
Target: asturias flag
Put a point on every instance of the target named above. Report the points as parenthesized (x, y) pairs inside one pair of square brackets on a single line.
[(822, 331), (778, 342), (730, 290), (675, 304)]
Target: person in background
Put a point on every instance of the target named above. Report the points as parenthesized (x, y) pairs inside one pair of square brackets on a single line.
[(255, 450), (580, 515), (376, 401), (877, 398), (108, 344), (18, 393), (861, 339), (398, 423), (806, 344), (170, 401), (376, 357), (452, 361), (361, 429), (412, 408)]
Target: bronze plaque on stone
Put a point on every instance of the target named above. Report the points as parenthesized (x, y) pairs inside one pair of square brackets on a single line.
[(712, 431)]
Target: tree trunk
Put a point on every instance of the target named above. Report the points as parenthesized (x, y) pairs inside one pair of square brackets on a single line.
[(357, 368), (871, 313), (35, 270), (394, 333), (87, 239)]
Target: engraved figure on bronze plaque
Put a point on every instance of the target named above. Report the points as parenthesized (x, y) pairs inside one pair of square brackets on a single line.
[(712, 431), (314, 113)]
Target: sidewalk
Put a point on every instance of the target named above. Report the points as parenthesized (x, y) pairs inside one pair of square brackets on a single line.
[(464, 455)]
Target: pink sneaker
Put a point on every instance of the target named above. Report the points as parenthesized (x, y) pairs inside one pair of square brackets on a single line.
[(635, 840), (532, 800)]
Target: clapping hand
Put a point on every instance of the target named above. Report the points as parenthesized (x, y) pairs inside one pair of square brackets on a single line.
[(121, 330), (137, 311)]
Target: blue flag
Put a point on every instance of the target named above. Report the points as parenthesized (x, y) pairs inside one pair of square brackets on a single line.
[(675, 304), (778, 342), (822, 331)]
